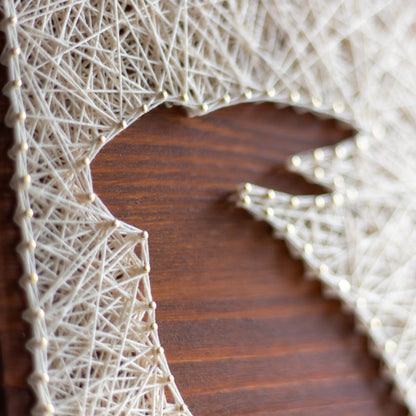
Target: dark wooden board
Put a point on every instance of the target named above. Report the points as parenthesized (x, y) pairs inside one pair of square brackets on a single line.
[(244, 333)]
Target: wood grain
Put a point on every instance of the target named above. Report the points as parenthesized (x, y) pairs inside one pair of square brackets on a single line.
[(244, 333)]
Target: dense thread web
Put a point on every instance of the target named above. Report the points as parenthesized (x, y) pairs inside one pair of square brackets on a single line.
[(82, 71)]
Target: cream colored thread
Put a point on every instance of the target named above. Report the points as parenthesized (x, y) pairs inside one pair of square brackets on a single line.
[(104, 92)]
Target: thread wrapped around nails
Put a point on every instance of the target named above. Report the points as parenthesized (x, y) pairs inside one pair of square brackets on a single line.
[(72, 92)]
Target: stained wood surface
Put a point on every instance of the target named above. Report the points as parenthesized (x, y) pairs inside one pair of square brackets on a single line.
[(244, 333)]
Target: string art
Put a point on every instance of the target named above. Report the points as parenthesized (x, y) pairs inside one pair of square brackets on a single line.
[(82, 71)]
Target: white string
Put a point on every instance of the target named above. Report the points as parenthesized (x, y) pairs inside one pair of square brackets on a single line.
[(82, 71)]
